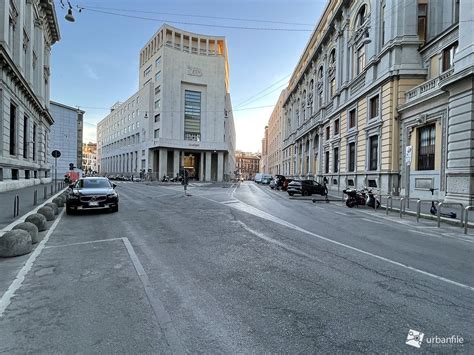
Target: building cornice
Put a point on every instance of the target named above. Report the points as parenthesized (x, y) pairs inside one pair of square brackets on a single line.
[(11, 69), (52, 21)]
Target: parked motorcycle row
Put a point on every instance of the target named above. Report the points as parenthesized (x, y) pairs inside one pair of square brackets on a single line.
[(364, 197)]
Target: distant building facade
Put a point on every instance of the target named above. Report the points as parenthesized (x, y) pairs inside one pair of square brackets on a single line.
[(29, 30), (275, 138), (66, 136), (247, 164), (89, 158), (264, 157), (185, 116)]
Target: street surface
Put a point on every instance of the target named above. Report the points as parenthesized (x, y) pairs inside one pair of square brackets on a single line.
[(239, 269)]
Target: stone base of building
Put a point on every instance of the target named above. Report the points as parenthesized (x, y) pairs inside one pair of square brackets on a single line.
[(10, 185)]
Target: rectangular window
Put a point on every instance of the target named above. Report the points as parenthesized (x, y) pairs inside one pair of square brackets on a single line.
[(336, 160), (333, 87), (336, 127), (374, 152), (382, 25), (448, 56), (360, 64), (326, 165), (352, 156), (158, 76), (157, 104), (11, 35), (157, 89), (33, 148), (25, 137), (12, 129), (426, 147), (147, 71), (157, 117), (422, 21), (374, 107), (352, 118), (328, 133), (157, 61), (192, 115), (157, 133)]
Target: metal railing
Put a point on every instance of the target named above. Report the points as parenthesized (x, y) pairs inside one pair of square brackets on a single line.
[(418, 207), (441, 204), (466, 217)]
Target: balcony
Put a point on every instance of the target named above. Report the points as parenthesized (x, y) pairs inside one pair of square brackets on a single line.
[(428, 87)]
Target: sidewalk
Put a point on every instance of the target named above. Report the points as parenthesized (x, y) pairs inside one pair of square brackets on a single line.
[(26, 198)]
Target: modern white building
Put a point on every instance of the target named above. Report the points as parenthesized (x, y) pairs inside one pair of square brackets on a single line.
[(66, 136), (27, 32), (180, 117)]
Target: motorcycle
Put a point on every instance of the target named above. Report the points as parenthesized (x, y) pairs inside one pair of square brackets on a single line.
[(360, 198)]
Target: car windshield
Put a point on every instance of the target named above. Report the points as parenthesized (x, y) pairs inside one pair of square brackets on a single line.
[(93, 184)]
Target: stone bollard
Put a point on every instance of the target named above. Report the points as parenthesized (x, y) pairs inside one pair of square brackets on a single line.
[(59, 201), (38, 220), (30, 228), (48, 212), (15, 243), (53, 206)]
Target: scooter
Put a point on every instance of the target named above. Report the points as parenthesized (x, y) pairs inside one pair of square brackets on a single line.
[(360, 198), (434, 210)]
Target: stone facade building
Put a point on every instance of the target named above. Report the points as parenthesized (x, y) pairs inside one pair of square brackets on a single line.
[(247, 164), (89, 158), (264, 157), (29, 29), (181, 116), (374, 76), (275, 138), (66, 136)]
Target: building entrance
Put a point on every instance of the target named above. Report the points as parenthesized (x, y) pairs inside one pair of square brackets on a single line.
[(192, 162)]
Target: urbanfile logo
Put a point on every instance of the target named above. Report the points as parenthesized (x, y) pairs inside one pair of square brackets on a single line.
[(414, 338)]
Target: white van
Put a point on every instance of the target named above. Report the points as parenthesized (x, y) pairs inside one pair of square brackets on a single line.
[(258, 178)]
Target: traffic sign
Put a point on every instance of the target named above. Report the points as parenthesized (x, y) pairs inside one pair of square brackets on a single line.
[(56, 153)]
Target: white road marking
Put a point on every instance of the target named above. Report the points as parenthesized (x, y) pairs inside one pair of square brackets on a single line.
[(276, 242), (341, 213), (81, 243), (372, 221), (20, 277), (161, 314), (256, 212)]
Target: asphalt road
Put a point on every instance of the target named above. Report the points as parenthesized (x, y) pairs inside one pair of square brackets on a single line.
[(241, 269)]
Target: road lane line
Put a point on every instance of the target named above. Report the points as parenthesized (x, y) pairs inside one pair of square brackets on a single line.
[(341, 213), (162, 316), (20, 277), (371, 221), (256, 212), (81, 243), (276, 242)]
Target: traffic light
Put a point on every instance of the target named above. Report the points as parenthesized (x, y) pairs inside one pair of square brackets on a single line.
[(71, 166)]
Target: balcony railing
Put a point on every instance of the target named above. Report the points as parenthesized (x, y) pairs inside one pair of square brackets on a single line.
[(427, 87)]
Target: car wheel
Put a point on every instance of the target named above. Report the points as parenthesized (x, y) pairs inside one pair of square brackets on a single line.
[(290, 193), (115, 208), (304, 193), (69, 210)]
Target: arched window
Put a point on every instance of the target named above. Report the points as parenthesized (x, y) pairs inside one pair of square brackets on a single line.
[(303, 106), (298, 113), (310, 98), (320, 73), (361, 16)]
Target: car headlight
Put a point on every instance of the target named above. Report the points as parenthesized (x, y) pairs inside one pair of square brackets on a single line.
[(73, 196), (114, 195)]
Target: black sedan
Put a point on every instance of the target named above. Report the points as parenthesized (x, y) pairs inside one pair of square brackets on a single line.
[(306, 188), (92, 193)]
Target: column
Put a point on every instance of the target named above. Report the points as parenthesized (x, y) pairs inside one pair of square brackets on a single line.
[(310, 154), (201, 167), (208, 166), (176, 162), (220, 166), (163, 163)]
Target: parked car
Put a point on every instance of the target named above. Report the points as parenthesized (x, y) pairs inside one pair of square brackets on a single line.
[(258, 178), (266, 179), (306, 188), (92, 193), (285, 184), (273, 184), (279, 180)]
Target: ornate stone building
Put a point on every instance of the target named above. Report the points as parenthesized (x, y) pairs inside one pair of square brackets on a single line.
[(348, 95), (247, 164), (29, 29), (274, 144)]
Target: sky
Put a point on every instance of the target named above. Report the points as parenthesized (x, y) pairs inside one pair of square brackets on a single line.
[(95, 64)]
